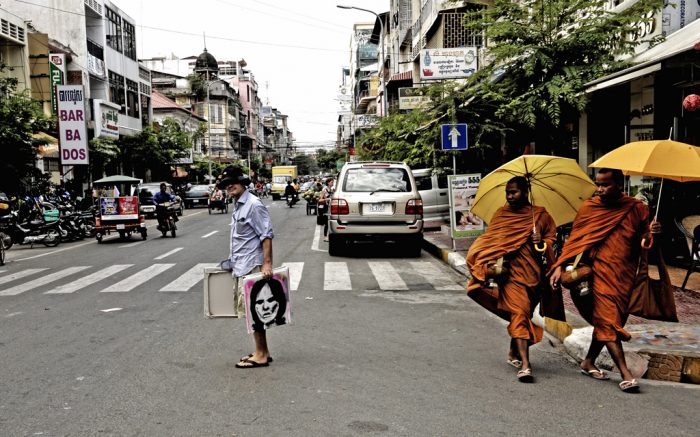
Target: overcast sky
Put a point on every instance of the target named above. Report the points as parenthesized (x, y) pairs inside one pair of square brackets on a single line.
[(296, 49)]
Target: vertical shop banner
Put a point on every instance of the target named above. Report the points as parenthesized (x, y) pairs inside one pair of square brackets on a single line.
[(462, 189), (57, 75), (71, 124)]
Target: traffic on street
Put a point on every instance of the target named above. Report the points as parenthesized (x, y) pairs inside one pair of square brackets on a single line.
[(390, 218)]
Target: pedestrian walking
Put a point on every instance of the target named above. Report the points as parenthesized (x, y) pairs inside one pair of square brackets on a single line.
[(506, 264), (324, 201), (608, 234), (250, 249)]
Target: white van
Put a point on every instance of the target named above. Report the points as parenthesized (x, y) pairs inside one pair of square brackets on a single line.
[(433, 190)]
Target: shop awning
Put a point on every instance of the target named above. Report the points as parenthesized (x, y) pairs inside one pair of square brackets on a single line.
[(406, 75), (649, 61)]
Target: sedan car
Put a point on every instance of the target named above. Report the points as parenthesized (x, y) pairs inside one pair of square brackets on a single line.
[(146, 193), (196, 195)]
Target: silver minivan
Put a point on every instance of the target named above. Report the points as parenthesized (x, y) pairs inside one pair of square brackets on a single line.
[(375, 201), (432, 187)]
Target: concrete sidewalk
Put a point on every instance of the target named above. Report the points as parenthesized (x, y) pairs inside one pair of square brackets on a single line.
[(658, 350)]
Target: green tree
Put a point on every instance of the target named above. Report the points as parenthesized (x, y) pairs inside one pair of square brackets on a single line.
[(155, 148), (326, 159), (543, 53), (20, 118), (305, 163)]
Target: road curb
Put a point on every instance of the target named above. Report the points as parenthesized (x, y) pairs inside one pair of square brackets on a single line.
[(656, 364)]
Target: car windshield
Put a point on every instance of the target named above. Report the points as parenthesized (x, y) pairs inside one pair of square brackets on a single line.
[(148, 191), (377, 179), (199, 188)]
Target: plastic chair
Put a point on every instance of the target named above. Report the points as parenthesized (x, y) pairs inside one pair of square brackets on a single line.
[(690, 227)]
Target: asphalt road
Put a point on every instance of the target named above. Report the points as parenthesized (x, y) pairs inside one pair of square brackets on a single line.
[(378, 345)]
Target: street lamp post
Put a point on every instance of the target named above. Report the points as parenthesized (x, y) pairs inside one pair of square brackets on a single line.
[(381, 69)]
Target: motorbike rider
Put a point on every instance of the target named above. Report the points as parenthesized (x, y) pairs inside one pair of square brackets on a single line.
[(290, 193), (163, 196)]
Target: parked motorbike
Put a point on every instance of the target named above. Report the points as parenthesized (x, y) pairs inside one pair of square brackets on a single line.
[(166, 219), (72, 227), (30, 232)]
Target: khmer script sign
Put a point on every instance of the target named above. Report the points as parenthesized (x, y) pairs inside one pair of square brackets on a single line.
[(448, 63)]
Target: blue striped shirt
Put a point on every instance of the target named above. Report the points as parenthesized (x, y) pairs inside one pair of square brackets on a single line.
[(250, 225)]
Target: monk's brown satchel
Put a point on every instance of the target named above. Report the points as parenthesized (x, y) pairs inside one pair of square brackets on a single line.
[(576, 276), (497, 269)]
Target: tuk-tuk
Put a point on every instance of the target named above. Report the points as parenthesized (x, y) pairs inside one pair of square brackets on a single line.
[(118, 207)]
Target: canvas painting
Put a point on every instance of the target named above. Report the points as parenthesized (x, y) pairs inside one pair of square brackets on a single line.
[(267, 302)]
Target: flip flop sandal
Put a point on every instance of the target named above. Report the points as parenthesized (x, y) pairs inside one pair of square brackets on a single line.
[(596, 374), (250, 364), (269, 359), (629, 386), (515, 363), (525, 375)]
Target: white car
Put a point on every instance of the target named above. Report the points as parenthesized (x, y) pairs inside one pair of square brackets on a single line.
[(436, 203), (376, 201)]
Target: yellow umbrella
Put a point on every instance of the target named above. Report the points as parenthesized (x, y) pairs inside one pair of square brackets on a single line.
[(557, 184), (661, 158), (665, 159)]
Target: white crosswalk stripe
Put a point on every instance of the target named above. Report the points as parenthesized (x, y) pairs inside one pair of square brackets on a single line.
[(189, 279), (137, 279), (21, 274), (47, 279), (295, 272), (435, 276), (167, 254), (336, 276), (89, 279), (387, 277)]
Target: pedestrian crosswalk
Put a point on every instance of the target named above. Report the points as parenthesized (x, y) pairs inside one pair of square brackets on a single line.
[(124, 278)]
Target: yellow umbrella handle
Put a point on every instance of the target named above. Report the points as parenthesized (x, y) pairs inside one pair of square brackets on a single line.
[(647, 246), (541, 249)]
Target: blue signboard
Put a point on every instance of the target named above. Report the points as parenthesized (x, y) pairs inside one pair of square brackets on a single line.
[(454, 137)]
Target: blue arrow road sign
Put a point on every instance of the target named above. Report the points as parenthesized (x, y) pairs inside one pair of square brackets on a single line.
[(454, 137)]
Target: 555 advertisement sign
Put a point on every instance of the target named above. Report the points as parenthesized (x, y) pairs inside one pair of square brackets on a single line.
[(462, 190)]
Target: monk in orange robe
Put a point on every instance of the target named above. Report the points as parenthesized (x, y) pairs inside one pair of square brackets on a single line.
[(609, 229), (510, 235)]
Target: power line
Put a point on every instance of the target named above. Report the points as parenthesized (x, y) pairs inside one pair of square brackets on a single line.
[(198, 35), (287, 18)]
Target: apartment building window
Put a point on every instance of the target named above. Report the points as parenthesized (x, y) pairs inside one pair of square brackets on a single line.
[(114, 29), (132, 98), (117, 90), (216, 114), (129, 40), (456, 35)]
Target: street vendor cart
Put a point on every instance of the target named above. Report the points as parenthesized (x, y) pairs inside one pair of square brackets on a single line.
[(117, 207)]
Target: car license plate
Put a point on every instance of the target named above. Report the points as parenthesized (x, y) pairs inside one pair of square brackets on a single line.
[(120, 227), (196, 200), (376, 207)]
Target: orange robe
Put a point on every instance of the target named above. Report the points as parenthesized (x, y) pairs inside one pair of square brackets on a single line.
[(612, 236), (508, 235)]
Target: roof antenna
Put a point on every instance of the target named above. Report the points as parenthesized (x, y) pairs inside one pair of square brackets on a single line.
[(204, 35)]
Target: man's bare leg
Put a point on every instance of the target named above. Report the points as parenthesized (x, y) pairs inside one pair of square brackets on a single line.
[(618, 357), (513, 353), (594, 349), (262, 354), (523, 351)]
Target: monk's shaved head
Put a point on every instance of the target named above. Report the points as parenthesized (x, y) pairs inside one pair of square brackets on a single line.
[(521, 183), (617, 175)]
